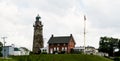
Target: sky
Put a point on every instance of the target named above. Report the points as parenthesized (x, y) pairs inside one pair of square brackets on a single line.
[(60, 18)]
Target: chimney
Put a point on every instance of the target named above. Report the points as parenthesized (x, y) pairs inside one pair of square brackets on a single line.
[(70, 35), (52, 36)]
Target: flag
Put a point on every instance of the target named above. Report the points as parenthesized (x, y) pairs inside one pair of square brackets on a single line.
[(84, 17)]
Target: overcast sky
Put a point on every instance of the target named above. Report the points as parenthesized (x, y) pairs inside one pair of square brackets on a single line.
[(61, 18)]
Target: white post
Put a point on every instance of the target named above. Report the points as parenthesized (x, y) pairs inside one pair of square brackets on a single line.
[(84, 31)]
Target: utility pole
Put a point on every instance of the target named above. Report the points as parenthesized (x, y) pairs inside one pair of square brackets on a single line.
[(84, 32), (4, 46)]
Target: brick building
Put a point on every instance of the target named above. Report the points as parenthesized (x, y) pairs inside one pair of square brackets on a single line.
[(62, 43)]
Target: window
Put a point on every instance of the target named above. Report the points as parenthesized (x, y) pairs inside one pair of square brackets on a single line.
[(51, 50), (57, 48), (64, 44), (58, 44), (65, 48), (54, 48)]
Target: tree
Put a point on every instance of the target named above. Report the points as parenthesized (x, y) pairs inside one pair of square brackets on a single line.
[(108, 45), (25, 50), (1, 45)]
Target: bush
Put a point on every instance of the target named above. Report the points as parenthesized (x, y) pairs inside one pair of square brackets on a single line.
[(117, 54), (44, 53), (0, 52), (62, 52), (55, 52), (75, 51), (72, 51), (31, 53), (117, 59)]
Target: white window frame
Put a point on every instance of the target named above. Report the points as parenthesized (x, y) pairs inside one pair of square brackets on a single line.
[(54, 48), (65, 48)]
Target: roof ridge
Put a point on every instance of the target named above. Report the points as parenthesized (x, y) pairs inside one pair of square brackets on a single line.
[(61, 36), (59, 39)]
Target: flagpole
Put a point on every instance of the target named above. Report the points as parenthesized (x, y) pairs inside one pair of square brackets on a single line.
[(84, 32)]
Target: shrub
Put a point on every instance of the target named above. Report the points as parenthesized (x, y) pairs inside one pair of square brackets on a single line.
[(44, 53), (31, 52), (117, 59), (1, 54), (62, 52), (55, 52)]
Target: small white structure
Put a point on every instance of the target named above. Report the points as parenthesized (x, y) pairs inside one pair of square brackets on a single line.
[(16, 51), (11, 50), (7, 50), (24, 51), (79, 49), (102, 54), (90, 50), (44, 50)]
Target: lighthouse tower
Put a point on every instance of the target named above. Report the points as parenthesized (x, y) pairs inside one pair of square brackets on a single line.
[(38, 35)]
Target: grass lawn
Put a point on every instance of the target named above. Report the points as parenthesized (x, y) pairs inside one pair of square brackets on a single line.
[(7, 59), (58, 57)]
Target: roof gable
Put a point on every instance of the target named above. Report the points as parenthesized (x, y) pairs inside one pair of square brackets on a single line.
[(73, 40)]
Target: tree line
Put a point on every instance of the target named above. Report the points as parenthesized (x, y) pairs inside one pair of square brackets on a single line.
[(109, 45), (1, 45)]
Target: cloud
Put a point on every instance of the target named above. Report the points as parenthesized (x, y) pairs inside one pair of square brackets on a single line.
[(59, 17), (103, 13), (14, 25)]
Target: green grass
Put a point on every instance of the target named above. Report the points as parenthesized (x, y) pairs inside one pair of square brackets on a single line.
[(1, 59), (58, 57)]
